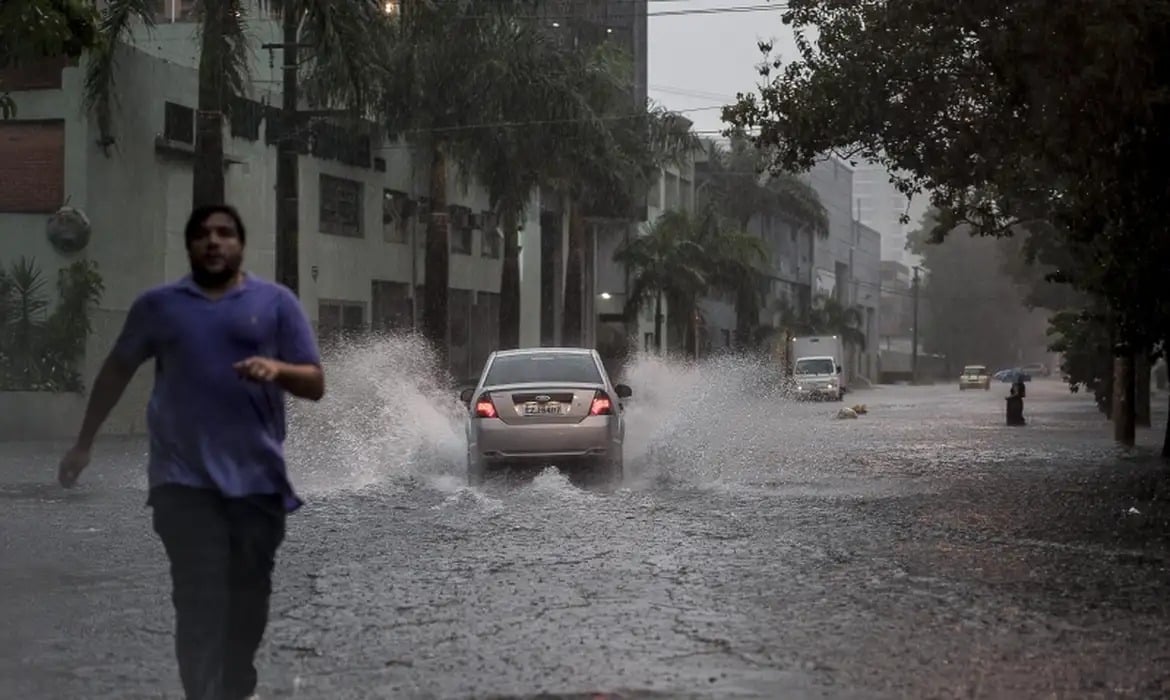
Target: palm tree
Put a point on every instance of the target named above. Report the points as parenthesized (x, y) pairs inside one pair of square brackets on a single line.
[(343, 39), (611, 175), (665, 262), (537, 116), (468, 102), (682, 257), (742, 190), (737, 186)]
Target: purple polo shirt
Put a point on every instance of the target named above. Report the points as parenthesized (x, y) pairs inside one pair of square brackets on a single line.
[(209, 427)]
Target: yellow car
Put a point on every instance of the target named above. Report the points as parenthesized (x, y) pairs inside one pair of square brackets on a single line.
[(975, 377)]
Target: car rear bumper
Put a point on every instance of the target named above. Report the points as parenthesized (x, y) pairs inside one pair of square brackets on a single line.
[(594, 438)]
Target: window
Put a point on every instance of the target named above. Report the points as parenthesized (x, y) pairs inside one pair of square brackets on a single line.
[(338, 319), (391, 308), (460, 227), (815, 366), (178, 123), (394, 217), (340, 206), (32, 166), (543, 367), (493, 243)]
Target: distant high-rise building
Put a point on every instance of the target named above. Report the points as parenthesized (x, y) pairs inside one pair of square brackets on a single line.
[(880, 206), (593, 21)]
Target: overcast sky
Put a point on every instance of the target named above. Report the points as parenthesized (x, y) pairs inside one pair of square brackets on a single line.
[(699, 61)]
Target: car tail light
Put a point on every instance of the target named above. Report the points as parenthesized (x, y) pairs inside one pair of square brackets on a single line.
[(484, 408), (601, 405)]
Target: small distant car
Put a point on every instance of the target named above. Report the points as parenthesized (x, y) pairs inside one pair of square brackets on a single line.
[(545, 407), (975, 377)]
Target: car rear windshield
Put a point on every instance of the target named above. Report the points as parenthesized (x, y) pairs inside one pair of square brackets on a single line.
[(974, 370), (543, 367), (820, 366)]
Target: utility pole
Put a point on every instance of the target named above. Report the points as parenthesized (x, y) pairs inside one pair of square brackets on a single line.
[(287, 159), (914, 330)]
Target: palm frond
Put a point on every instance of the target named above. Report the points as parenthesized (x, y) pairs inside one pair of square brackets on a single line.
[(224, 40), (116, 26)]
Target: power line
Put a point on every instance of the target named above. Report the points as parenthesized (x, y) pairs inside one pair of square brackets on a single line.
[(538, 122), (727, 10)]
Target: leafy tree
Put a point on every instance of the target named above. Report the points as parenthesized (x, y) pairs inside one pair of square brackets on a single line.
[(33, 30), (1007, 113), (973, 312), (344, 41)]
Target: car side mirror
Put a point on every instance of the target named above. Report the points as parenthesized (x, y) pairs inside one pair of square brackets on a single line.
[(838, 369), (623, 391), (466, 394)]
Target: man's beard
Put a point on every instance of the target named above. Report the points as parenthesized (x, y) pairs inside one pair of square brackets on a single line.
[(213, 280)]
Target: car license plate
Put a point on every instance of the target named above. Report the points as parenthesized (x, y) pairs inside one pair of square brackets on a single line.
[(542, 409)]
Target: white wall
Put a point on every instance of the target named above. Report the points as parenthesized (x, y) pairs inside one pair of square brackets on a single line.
[(138, 200)]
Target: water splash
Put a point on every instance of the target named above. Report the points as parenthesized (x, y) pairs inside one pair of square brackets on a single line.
[(387, 416), (390, 417), (698, 422)]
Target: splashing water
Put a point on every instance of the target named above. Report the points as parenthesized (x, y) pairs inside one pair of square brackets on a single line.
[(700, 422), (390, 416), (386, 416)]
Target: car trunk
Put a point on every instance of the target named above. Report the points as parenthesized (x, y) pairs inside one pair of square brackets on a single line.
[(533, 404)]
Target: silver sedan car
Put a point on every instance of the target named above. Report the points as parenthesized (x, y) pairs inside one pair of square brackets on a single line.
[(545, 407)]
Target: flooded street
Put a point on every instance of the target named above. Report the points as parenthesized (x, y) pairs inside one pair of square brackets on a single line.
[(759, 548)]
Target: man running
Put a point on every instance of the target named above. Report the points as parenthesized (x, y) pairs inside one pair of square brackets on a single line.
[(227, 346)]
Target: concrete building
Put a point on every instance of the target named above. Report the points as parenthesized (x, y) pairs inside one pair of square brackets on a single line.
[(355, 246), (593, 21), (880, 206), (846, 262), (673, 191), (789, 280)]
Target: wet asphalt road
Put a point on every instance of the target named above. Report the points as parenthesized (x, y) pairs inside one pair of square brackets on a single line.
[(759, 549)]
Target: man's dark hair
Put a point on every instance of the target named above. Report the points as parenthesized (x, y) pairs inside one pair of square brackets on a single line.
[(201, 214)]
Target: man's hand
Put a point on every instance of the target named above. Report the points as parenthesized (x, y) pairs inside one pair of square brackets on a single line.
[(72, 464), (260, 369)]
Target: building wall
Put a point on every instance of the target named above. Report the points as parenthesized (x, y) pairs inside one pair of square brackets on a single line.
[(866, 294), (833, 181), (880, 206), (138, 195), (847, 263)]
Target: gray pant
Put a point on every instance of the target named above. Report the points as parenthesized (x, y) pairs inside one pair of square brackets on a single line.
[(222, 553)]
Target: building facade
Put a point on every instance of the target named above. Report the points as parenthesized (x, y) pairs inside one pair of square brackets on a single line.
[(847, 262), (361, 211)]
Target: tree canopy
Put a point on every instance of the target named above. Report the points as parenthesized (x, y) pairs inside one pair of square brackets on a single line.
[(1007, 112), (32, 30)]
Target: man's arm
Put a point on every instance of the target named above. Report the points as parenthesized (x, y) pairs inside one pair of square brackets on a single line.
[(135, 345), (112, 380), (299, 370)]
